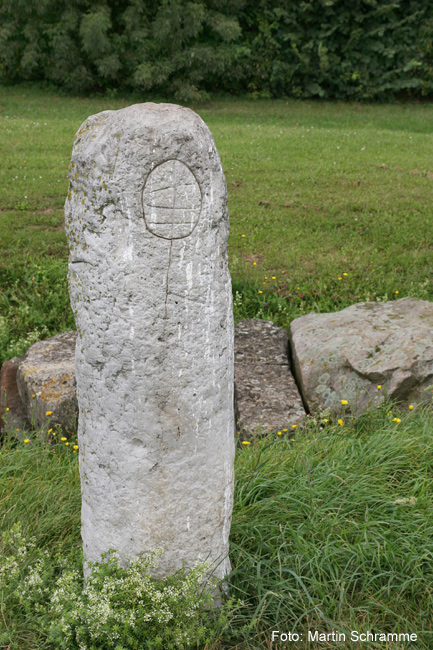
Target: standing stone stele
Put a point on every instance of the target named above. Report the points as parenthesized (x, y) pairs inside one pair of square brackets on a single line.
[(147, 226)]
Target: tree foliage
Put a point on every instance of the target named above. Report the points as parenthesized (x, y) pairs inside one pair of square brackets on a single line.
[(365, 49)]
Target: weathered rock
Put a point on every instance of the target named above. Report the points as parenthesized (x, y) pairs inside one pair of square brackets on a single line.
[(266, 396), (13, 419), (347, 355), (147, 225), (48, 372)]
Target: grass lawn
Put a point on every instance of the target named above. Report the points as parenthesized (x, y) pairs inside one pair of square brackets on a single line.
[(332, 530), (317, 190)]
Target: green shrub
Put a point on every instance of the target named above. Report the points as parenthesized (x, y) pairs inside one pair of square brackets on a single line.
[(116, 608), (375, 49)]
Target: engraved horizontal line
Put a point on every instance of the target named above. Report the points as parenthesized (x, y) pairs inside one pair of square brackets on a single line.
[(171, 187), (172, 223), (160, 189), (168, 207)]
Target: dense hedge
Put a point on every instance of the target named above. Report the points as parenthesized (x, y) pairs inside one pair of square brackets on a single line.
[(362, 49)]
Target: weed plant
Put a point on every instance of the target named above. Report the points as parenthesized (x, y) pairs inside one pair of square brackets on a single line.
[(114, 608), (44, 601)]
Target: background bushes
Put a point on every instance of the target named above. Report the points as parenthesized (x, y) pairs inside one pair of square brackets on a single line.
[(364, 50)]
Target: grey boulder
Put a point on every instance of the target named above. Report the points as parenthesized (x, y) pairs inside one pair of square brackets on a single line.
[(347, 355)]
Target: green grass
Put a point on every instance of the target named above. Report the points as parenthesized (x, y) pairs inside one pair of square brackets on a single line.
[(319, 539), (307, 188), (319, 190)]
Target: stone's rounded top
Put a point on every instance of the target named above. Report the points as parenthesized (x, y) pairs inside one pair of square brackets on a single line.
[(171, 200), (159, 112), (143, 120), (139, 177)]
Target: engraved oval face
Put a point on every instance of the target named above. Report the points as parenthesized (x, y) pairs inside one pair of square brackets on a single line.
[(171, 200)]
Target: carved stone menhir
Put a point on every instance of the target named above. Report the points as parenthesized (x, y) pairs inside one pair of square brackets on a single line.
[(147, 226)]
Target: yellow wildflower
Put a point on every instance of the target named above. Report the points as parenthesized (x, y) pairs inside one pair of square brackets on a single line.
[(75, 446), (396, 420), (33, 396), (410, 407), (67, 444), (260, 291), (63, 439), (294, 426), (245, 442), (26, 441), (279, 433), (49, 413), (344, 401), (243, 235), (379, 387), (340, 422)]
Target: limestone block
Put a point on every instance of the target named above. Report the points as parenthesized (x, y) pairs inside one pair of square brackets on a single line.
[(48, 372), (348, 354), (147, 225), (267, 398)]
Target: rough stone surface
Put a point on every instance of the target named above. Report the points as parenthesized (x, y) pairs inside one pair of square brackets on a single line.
[(147, 225), (48, 372), (14, 418), (266, 396), (346, 355)]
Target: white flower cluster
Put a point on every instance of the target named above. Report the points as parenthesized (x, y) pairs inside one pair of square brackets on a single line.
[(113, 606), (114, 599), (31, 587), (10, 565), (237, 301), (18, 347)]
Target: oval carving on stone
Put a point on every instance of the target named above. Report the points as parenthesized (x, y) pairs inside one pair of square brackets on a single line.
[(171, 200)]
